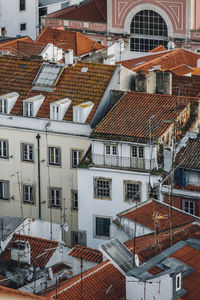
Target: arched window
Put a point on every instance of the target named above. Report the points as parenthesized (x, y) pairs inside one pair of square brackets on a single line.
[(148, 30)]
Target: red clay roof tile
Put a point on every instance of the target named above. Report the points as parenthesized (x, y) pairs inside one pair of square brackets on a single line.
[(86, 253), (192, 188), (158, 49), (186, 86), (7, 293), (38, 246)]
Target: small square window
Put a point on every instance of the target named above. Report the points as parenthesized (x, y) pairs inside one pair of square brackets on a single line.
[(102, 227), (111, 150), (102, 188), (28, 194), (189, 206), (154, 192), (22, 5), (22, 26), (4, 190), (3, 149), (75, 199), (27, 152), (54, 156), (77, 155), (3, 106), (55, 197), (132, 191)]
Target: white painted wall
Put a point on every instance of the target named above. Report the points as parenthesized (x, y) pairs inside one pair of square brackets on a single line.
[(159, 288), (76, 265), (90, 207), (11, 17)]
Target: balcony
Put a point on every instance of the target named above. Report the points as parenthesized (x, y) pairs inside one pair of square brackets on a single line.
[(123, 163)]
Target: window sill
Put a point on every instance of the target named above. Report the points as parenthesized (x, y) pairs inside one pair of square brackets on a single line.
[(101, 198)]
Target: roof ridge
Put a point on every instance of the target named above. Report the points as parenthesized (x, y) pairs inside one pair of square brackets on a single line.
[(34, 238)]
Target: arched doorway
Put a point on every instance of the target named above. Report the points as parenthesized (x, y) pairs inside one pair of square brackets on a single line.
[(148, 30)]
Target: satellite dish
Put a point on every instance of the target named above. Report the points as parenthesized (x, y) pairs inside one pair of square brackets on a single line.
[(66, 227), (137, 262), (170, 45)]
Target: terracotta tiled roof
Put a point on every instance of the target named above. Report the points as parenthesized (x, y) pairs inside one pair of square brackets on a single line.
[(158, 49), (147, 212), (146, 247), (30, 48), (91, 11), (180, 70), (166, 60), (192, 188), (7, 293), (78, 86), (128, 120), (38, 246), (191, 283), (12, 46), (86, 253), (196, 71), (186, 86), (67, 39), (100, 282), (189, 156)]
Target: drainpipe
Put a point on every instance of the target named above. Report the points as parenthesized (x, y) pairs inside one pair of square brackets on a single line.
[(39, 185)]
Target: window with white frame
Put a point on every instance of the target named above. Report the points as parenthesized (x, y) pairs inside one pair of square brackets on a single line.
[(54, 156), (77, 155), (148, 30), (178, 282), (137, 151), (55, 112), (111, 149), (3, 149), (102, 226), (75, 199), (3, 106), (4, 190), (27, 152), (132, 191), (102, 188), (153, 192), (28, 109), (189, 206), (55, 197), (28, 194)]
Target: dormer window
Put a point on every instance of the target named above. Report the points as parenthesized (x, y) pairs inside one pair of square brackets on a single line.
[(3, 106), (59, 108), (28, 109), (82, 111), (32, 105), (178, 282), (7, 102)]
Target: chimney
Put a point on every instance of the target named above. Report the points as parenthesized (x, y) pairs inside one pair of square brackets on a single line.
[(145, 82), (21, 251), (69, 57), (163, 82)]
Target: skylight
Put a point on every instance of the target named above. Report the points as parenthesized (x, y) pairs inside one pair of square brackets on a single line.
[(47, 77)]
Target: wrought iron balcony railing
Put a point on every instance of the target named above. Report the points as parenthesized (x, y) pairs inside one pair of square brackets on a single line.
[(124, 163)]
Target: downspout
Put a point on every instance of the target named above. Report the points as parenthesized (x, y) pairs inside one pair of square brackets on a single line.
[(39, 185)]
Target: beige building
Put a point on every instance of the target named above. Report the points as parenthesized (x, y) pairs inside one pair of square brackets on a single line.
[(47, 111)]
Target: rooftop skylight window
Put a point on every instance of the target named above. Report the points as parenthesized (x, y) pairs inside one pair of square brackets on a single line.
[(47, 77), (7, 102)]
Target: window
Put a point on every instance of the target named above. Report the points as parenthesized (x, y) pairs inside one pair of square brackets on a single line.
[(22, 5), (27, 152), (75, 199), (28, 109), (28, 194), (153, 192), (3, 149), (137, 151), (22, 26), (54, 156), (77, 155), (79, 238), (102, 227), (4, 190), (132, 191), (55, 197), (189, 206), (111, 150), (3, 106), (55, 112), (102, 188), (178, 282), (148, 30)]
